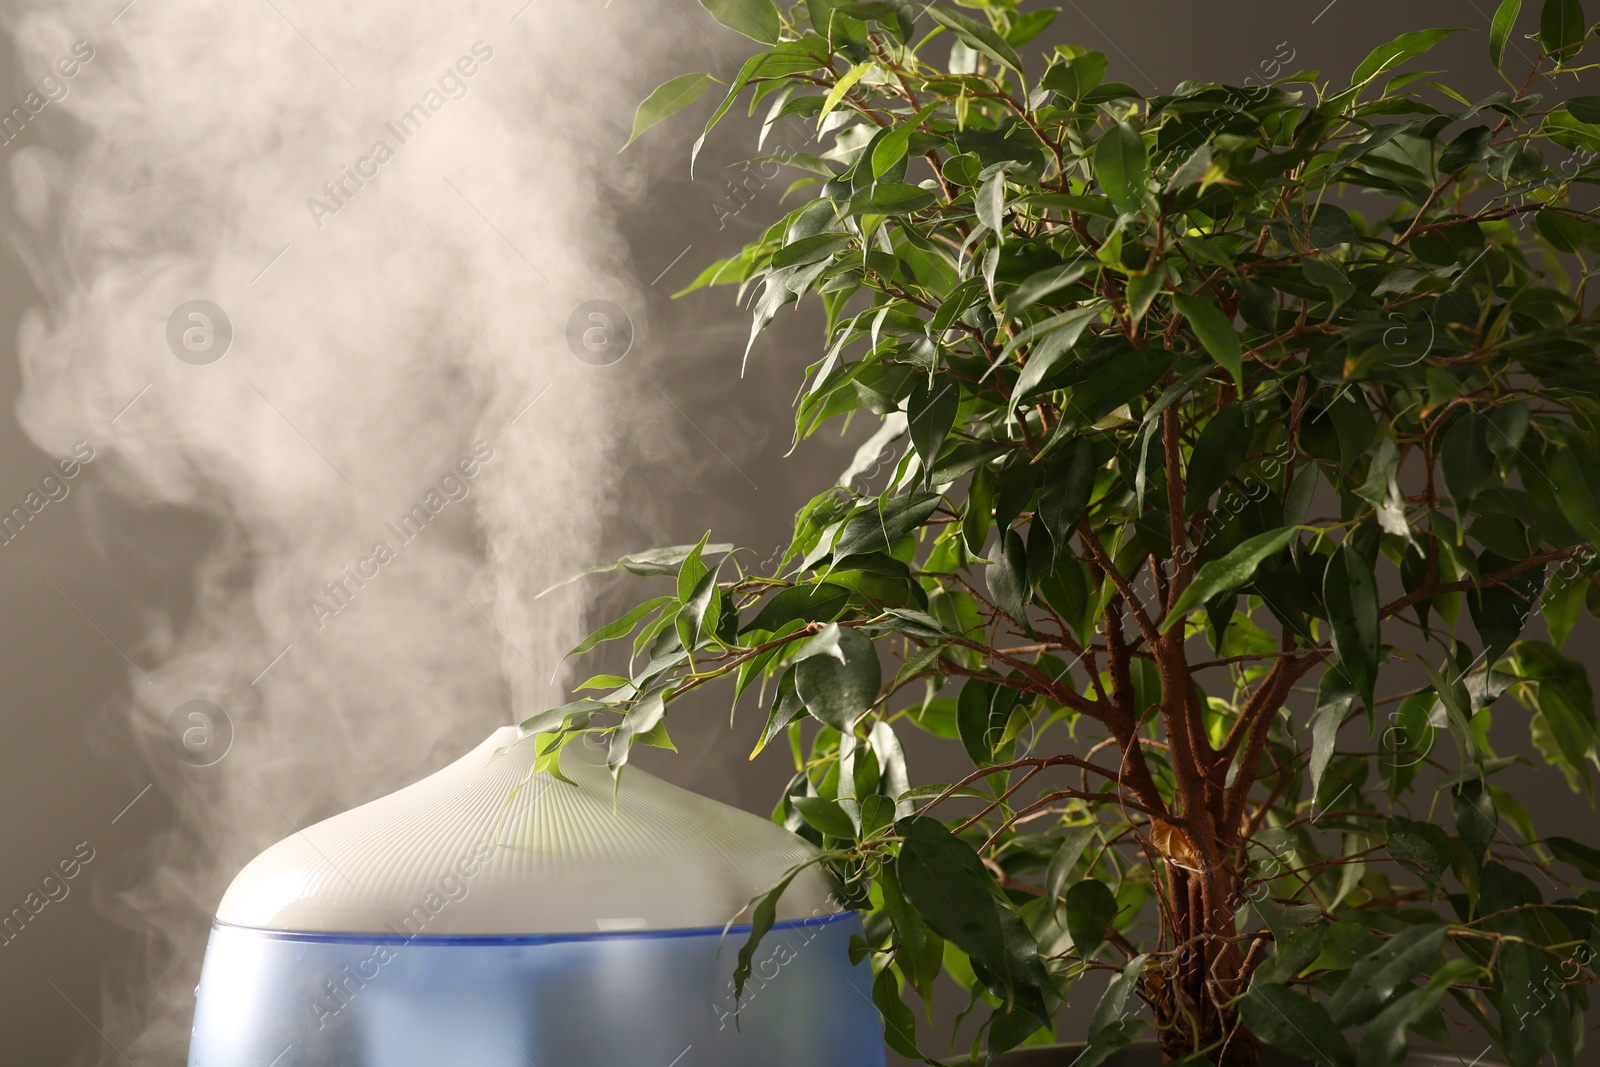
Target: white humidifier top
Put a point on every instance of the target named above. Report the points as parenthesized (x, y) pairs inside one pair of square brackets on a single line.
[(458, 854)]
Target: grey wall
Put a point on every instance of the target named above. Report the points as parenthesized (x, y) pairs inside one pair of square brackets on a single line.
[(78, 587)]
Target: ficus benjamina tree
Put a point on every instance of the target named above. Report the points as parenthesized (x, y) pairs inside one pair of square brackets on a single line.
[(1246, 431)]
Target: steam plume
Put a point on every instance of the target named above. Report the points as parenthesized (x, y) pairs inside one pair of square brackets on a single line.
[(396, 206)]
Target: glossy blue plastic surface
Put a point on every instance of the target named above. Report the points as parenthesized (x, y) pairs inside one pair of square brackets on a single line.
[(650, 998)]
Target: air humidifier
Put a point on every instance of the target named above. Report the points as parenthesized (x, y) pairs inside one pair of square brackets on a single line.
[(489, 917)]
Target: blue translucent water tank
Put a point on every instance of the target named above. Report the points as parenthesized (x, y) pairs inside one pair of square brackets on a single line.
[(486, 916)]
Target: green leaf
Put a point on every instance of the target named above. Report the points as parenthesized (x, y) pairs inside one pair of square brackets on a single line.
[(1216, 333), (1477, 822), (1116, 384), (1465, 459), (990, 203), (1054, 348), (756, 19), (1575, 471), (890, 199), (1075, 77), (644, 716), (899, 1023), (1296, 1024), (930, 415), (1110, 1027), (1069, 483), (1327, 274), (1501, 611), (1383, 1043), (1564, 699), (655, 561), (1376, 976), (945, 881), (977, 36), (1420, 847), (1007, 578), (891, 148), (838, 675), (1505, 20), (1045, 282), (761, 920), (813, 249), (622, 627), (826, 815), (1584, 109), (667, 100), (780, 61), (981, 713), (1142, 291), (840, 87), (786, 707), (1350, 592), (1468, 148), (1090, 908), (1402, 48), (1121, 164), (1065, 860), (1331, 226), (1218, 453), (812, 602), (1561, 25), (1585, 860), (1229, 572), (877, 528)]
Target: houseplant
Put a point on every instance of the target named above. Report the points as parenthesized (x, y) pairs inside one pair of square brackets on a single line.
[(1247, 429)]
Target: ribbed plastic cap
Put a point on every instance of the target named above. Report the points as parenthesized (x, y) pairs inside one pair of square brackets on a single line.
[(458, 854)]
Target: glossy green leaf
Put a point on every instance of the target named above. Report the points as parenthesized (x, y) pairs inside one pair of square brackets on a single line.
[(1126, 378), (1376, 977), (1069, 484), (899, 1024), (1065, 860), (1008, 578), (667, 100), (891, 148), (756, 19), (1477, 822), (1561, 25), (1229, 572), (889, 198), (931, 414), (1383, 1043), (622, 627), (838, 675), (976, 35), (644, 716), (1351, 593), (1468, 148), (1420, 847), (819, 602), (1296, 1024), (1405, 47), (945, 881), (1216, 334), (1505, 20), (1123, 167), (761, 921), (1090, 907), (1218, 453), (1465, 459), (1584, 859), (826, 815)]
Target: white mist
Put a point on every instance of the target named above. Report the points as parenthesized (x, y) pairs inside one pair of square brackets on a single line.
[(396, 208)]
